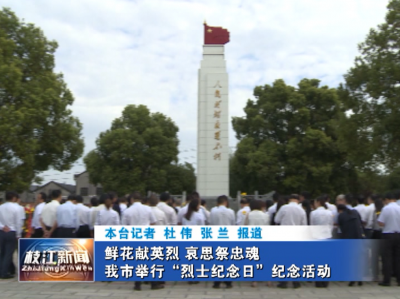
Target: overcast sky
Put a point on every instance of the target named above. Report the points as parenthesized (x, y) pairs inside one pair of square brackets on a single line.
[(118, 52)]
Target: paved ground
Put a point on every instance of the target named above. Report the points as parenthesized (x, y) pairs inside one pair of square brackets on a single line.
[(121, 290)]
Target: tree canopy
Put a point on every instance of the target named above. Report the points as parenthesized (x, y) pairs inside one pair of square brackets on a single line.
[(37, 129), (139, 152), (288, 140), (372, 96)]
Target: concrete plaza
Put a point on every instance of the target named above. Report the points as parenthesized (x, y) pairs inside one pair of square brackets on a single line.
[(122, 290)]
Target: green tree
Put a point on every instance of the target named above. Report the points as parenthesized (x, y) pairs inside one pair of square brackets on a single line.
[(135, 153), (37, 130), (288, 140), (371, 132), (180, 177)]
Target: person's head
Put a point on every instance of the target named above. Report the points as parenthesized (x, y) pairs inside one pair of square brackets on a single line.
[(94, 202), (41, 197), (203, 203), (361, 199), (256, 204), (378, 204), (268, 203), (71, 198), (153, 200), (276, 196), (11, 196), (341, 200), (18, 198), (196, 194), (306, 205), (349, 199), (79, 199), (389, 197), (145, 201), (165, 197), (320, 202), (222, 200), (244, 202), (189, 198), (193, 206), (371, 198), (136, 196), (304, 195), (106, 200), (294, 198), (56, 195), (397, 194), (122, 199), (172, 202), (281, 202), (341, 208), (113, 196)]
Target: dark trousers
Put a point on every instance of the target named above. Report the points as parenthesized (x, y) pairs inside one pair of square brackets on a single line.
[(66, 232), (83, 232), (296, 284), (139, 283), (218, 283), (376, 253), (7, 248), (321, 284), (391, 256), (54, 234), (38, 233), (368, 233)]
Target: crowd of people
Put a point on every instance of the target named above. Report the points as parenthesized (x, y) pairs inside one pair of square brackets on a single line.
[(347, 217)]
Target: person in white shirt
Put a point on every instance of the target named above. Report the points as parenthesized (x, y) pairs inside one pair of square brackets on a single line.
[(370, 212), (40, 203), (206, 213), (122, 205), (83, 217), (362, 209), (389, 219), (331, 207), (193, 215), (22, 214), (158, 213), (137, 213), (272, 209), (107, 216), (291, 214), (242, 213), (256, 216), (67, 221), (169, 212), (222, 215), (10, 231), (95, 211), (48, 218), (183, 210), (322, 216)]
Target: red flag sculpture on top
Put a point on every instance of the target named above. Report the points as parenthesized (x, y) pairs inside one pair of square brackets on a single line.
[(215, 35)]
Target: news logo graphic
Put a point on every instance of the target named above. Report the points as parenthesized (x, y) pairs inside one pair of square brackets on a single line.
[(67, 260)]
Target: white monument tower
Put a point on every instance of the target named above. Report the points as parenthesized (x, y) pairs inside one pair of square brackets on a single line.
[(213, 116)]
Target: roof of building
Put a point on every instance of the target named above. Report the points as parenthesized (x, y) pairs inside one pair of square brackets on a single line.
[(78, 174), (68, 187)]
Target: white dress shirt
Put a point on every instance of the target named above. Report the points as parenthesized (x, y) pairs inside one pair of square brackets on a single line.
[(206, 215), (222, 215), (241, 215), (22, 215), (256, 217), (170, 213), (36, 215), (139, 214), (291, 214), (94, 212), (83, 214), (181, 213), (370, 211), (49, 213), (122, 207), (390, 217), (10, 216), (160, 216), (322, 217), (362, 210), (197, 218), (67, 215), (107, 217)]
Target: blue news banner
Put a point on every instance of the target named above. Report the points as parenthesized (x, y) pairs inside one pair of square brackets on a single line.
[(132, 254)]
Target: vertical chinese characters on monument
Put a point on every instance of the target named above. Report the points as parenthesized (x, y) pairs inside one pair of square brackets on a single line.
[(217, 115)]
